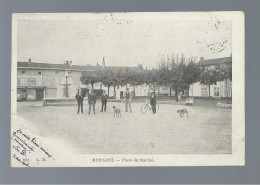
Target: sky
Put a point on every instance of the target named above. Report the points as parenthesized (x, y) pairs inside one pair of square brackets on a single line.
[(122, 41)]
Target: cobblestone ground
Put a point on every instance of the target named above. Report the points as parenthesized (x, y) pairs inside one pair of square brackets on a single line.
[(206, 131)]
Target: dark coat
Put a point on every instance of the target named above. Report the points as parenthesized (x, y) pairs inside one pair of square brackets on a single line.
[(92, 98), (104, 97), (79, 98), (152, 98)]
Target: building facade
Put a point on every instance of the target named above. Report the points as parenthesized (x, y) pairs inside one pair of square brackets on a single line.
[(221, 89), (36, 81)]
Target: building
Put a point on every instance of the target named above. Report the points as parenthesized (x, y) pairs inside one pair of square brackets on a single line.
[(221, 89), (36, 81)]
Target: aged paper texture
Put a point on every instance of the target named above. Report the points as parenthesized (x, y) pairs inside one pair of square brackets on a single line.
[(128, 89)]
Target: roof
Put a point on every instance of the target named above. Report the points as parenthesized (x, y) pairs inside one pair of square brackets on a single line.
[(34, 65), (122, 68), (208, 62)]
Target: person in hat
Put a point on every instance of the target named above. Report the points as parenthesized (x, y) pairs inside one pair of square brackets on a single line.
[(92, 101), (127, 100), (104, 98), (79, 97), (152, 97)]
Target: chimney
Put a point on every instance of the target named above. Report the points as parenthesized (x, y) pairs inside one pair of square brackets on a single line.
[(140, 66), (30, 60), (201, 59), (68, 63), (103, 62)]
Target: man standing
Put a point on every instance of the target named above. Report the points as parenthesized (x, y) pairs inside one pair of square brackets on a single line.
[(79, 98), (104, 98), (152, 99), (127, 99), (92, 101)]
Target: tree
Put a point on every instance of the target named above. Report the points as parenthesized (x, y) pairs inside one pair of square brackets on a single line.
[(150, 78), (210, 75), (136, 77), (117, 79), (226, 74), (191, 74), (172, 73), (163, 75), (106, 78), (90, 78), (112, 77)]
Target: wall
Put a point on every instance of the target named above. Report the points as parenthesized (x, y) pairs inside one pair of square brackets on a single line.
[(51, 79), (195, 89), (31, 93)]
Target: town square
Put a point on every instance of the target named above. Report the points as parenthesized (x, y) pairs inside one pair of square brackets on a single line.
[(125, 86)]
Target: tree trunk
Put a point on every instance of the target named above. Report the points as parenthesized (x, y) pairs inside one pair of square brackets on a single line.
[(170, 92), (114, 92), (108, 90), (227, 90), (158, 92), (188, 89), (92, 86), (176, 92), (209, 90), (192, 91)]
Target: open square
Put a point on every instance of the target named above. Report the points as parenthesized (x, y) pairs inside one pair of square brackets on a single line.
[(189, 64), (206, 131)]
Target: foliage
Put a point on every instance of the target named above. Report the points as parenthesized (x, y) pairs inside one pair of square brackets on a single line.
[(210, 75), (90, 78)]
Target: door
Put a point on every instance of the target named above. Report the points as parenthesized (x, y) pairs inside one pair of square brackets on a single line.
[(121, 94), (39, 94)]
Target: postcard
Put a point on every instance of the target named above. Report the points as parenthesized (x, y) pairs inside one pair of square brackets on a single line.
[(128, 89)]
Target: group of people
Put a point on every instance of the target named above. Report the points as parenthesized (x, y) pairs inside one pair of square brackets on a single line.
[(91, 101), (127, 99)]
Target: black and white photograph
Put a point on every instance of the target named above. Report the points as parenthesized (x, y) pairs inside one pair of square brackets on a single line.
[(127, 89)]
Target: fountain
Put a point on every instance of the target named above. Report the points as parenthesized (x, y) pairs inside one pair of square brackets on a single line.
[(66, 89), (66, 92)]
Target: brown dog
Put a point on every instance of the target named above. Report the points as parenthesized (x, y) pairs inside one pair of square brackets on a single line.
[(117, 112), (182, 112)]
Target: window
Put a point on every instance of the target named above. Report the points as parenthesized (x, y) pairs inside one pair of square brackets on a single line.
[(56, 72), (24, 93), (23, 72), (39, 73), (204, 91), (38, 81), (23, 81), (216, 91)]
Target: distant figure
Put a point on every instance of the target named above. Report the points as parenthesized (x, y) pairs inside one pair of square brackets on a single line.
[(104, 98), (127, 99), (92, 101), (189, 101), (80, 98), (152, 97)]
